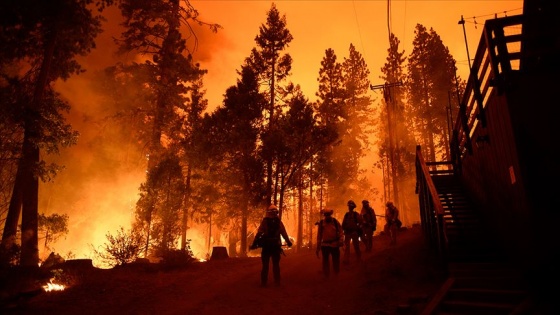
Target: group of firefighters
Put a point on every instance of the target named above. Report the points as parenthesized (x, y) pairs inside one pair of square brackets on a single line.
[(331, 236)]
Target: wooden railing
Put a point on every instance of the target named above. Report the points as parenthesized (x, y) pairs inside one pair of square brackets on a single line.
[(498, 53), (431, 210)]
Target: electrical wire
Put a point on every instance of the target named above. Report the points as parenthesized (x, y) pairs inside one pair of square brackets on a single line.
[(389, 19), (472, 20), (358, 25)]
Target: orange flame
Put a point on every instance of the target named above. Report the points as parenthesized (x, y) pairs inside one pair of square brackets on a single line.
[(53, 287)]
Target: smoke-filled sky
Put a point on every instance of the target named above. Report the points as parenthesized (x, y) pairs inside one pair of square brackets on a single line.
[(99, 198), (318, 25)]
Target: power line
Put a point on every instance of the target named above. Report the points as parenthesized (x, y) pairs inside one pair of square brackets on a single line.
[(389, 19), (472, 20), (358, 25)]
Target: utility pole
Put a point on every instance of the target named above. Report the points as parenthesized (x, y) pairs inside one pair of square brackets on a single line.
[(462, 22), (392, 134)]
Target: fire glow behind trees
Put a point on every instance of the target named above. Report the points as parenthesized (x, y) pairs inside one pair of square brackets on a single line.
[(99, 187)]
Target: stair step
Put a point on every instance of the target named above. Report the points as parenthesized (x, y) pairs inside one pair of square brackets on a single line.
[(472, 257), (459, 210), (468, 228), (455, 203), (488, 295), (490, 283), (461, 219), (471, 240), (479, 308), (491, 266), (454, 196)]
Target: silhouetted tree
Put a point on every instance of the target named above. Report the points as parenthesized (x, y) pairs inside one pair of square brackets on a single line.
[(356, 119), (234, 134), (189, 143), (431, 78), (155, 28), (330, 110), (331, 94), (43, 38), (160, 204), (296, 138), (272, 68), (396, 141)]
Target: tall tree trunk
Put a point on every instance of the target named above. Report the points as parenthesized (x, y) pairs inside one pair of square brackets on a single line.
[(148, 230), (166, 231), (300, 213), (311, 204), (14, 211), (276, 184), (166, 61), (209, 250), (30, 204), (244, 215), (30, 161), (280, 182), (269, 160), (184, 222)]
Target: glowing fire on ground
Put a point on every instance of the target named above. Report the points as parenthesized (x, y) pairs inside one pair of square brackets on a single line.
[(53, 287)]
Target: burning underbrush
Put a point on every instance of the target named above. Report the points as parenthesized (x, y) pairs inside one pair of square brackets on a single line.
[(53, 286)]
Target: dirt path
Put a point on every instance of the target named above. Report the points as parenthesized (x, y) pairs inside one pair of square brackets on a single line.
[(383, 283)]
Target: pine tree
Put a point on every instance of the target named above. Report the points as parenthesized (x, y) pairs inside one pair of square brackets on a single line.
[(44, 38), (189, 146), (431, 79), (234, 132), (154, 28), (352, 128), (160, 204), (297, 138), (331, 92), (330, 110), (272, 68), (396, 139)]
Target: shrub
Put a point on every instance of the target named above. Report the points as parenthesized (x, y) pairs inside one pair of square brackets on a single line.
[(9, 256), (122, 248)]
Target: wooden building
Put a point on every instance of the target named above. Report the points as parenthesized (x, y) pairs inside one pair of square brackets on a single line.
[(504, 154)]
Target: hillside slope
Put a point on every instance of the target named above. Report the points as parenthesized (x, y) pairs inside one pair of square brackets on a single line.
[(391, 280)]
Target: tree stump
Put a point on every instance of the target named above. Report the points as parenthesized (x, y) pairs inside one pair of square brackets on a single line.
[(219, 252)]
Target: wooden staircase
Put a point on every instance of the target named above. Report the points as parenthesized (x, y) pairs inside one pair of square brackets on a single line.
[(480, 280), (467, 237)]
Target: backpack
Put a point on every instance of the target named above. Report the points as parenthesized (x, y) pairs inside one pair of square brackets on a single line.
[(271, 235), (370, 218), (329, 235), (350, 224)]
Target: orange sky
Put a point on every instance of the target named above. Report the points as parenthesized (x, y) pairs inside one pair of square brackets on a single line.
[(107, 203), (318, 25)]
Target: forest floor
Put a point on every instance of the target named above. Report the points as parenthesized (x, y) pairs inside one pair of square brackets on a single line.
[(391, 280)]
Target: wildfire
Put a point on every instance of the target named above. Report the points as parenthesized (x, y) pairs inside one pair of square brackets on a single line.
[(53, 287)]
